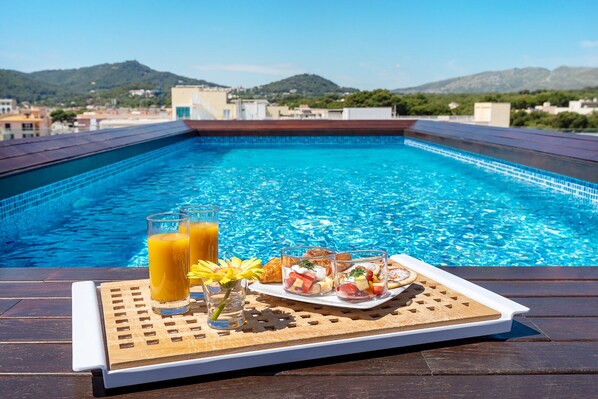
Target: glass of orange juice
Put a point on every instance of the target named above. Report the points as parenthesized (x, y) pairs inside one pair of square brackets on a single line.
[(203, 239), (168, 254)]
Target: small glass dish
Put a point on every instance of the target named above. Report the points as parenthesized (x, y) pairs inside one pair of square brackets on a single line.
[(361, 275), (308, 271)]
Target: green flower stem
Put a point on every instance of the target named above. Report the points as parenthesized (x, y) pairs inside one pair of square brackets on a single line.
[(221, 305)]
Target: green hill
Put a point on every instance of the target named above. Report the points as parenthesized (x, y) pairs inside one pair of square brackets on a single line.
[(108, 76), (307, 85), (97, 84), (22, 87), (513, 80)]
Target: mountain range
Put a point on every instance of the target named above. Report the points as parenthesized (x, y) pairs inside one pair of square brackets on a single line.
[(513, 80), (101, 83)]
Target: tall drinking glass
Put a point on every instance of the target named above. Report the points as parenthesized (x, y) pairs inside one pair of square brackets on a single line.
[(168, 253), (203, 227)]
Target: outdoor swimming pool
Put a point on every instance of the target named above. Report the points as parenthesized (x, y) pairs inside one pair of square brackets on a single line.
[(390, 196)]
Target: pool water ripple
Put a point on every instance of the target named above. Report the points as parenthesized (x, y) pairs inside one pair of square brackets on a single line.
[(398, 198)]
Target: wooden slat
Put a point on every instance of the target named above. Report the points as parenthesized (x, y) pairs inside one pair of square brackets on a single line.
[(25, 274), (6, 304), (39, 330), (568, 328), (342, 387), (35, 358), (402, 361), (522, 330), (570, 307), (49, 151), (40, 308), (542, 288), (558, 273), (566, 154), (35, 289), (514, 358), (99, 274), (300, 127)]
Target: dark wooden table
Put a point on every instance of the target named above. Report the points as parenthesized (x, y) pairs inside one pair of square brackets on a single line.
[(551, 353)]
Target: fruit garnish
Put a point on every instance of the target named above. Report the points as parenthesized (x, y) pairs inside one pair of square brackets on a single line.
[(357, 272), (307, 265), (369, 275)]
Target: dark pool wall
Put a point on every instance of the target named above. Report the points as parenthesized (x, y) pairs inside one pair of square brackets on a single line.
[(32, 163), (567, 154)]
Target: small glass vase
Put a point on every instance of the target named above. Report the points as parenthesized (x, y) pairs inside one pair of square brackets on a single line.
[(225, 304)]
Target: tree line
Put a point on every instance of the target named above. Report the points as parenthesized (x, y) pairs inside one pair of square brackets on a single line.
[(463, 104)]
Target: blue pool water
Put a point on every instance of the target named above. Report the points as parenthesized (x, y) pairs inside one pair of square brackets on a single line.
[(392, 197)]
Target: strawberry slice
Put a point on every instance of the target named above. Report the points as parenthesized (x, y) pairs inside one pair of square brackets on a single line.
[(349, 289), (378, 289)]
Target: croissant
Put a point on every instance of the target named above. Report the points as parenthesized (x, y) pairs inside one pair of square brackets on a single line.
[(272, 272)]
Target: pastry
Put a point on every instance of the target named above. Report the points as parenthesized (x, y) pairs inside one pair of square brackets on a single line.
[(272, 272), (399, 276)]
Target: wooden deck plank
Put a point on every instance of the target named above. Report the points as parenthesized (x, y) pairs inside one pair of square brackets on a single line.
[(514, 358), (25, 273), (553, 346), (36, 358), (320, 127), (40, 308), (566, 154), (35, 330), (569, 328), (6, 304), (35, 290), (560, 307), (342, 387), (522, 330), (99, 274), (559, 273), (402, 361), (542, 288)]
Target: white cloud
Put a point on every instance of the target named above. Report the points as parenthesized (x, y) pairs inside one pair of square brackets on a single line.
[(398, 66), (588, 43), (274, 69)]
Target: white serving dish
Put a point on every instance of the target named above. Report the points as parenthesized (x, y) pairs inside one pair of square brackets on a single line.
[(326, 300), (89, 348)]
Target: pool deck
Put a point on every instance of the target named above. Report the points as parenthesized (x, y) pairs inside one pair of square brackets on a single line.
[(552, 352)]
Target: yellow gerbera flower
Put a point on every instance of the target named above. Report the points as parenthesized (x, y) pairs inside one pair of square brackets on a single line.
[(227, 273), (228, 270)]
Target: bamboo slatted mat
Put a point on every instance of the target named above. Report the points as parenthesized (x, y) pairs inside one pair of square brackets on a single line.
[(135, 336)]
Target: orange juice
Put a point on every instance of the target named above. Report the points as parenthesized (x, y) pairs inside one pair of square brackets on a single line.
[(169, 265), (203, 243)]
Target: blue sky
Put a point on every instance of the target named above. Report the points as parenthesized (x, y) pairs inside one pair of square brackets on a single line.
[(363, 44)]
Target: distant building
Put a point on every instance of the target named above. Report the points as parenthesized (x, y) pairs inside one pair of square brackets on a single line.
[(583, 107), (492, 114), (199, 102), (367, 113), (485, 114), (32, 122), (142, 93), (121, 117), (7, 106)]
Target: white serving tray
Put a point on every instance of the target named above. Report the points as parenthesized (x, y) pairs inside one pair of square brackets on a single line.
[(89, 348), (325, 300)]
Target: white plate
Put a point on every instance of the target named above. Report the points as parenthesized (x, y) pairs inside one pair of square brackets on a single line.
[(327, 300)]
